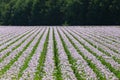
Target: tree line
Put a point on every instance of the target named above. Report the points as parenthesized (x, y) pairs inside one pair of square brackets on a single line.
[(59, 12)]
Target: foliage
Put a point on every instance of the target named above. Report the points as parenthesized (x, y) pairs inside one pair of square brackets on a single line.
[(60, 12)]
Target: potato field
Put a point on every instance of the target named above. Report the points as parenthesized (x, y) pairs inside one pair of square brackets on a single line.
[(59, 53)]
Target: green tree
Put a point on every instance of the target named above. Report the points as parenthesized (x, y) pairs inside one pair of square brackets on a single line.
[(37, 13)]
